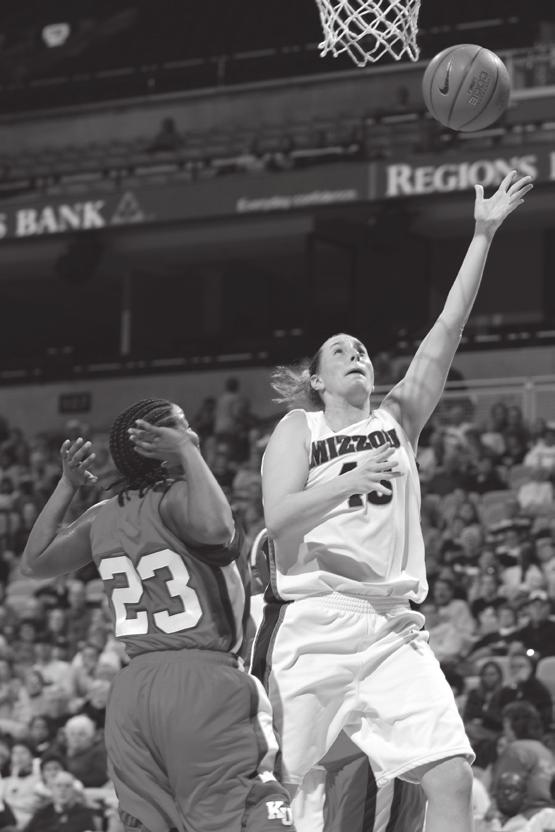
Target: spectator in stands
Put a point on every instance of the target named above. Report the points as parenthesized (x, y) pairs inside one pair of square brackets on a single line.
[(84, 667), (56, 622), (509, 796), (482, 714), (515, 423), (78, 615), (229, 406), (449, 477), (542, 453), (5, 756), (65, 811), (251, 159), (445, 639), (167, 138), (487, 561), (454, 610), (536, 495), (53, 671), (8, 494), (50, 765), (18, 788), (431, 456), (488, 594), (499, 417), (486, 477), (38, 701), (456, 427), (514, 452), (203, 421), (500, 643), (24, 645), (468, 513), (507, 629), (14, 708), (526, 755), (487, 636), (523, 687), (518, 573), (545, 557), (282, 158), (475, 448), (86, 755), (40, 735), (223, 467), (537, 429), (493, 436), (94, 705), (539, 634)]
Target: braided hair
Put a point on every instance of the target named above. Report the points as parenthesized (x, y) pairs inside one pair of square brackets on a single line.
[(138, 473)]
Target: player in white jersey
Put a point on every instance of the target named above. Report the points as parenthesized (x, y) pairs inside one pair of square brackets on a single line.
[(340, 648)]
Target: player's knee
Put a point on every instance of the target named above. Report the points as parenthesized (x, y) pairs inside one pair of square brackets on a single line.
[(268, 809), (448, 780)]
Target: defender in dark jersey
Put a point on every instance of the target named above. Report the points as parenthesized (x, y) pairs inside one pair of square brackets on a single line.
[(188, 732)]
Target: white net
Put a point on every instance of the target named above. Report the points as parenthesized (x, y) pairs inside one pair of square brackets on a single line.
[(369, 29)]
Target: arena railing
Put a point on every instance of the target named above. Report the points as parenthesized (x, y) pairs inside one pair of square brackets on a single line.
[(473, 399)]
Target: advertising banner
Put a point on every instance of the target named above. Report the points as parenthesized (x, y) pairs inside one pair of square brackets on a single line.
[(35, 215), (459, 171)]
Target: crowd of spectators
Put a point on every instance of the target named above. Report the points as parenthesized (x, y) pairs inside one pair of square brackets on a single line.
[(488, 516)]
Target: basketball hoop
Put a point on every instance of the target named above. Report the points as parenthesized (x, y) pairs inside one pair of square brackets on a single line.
[(369, 29)]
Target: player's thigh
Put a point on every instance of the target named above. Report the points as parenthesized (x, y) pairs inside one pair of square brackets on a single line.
[(135, 768), (408, 712), (309, 674)]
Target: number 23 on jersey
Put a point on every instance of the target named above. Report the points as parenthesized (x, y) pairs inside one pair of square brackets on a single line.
[(177, 586)]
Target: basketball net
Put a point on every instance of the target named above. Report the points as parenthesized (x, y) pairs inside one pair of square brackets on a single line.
[(369, 29)]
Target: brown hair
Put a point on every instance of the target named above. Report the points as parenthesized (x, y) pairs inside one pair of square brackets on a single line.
[(292, 383)]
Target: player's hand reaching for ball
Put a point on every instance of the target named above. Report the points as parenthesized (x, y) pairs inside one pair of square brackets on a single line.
[(165, 443), (490, 213), (377, 466), (76, 461)]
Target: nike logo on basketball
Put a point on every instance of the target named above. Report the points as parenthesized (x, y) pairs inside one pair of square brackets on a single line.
[(445, 88)]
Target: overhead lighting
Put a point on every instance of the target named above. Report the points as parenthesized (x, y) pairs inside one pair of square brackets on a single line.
[(56, 34)]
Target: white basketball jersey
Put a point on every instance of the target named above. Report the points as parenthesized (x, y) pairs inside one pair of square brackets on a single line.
[(369, 545)]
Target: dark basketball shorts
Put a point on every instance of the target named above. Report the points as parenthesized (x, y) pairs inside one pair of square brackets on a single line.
[(191, 746)]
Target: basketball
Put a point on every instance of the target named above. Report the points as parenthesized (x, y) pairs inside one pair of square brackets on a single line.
[(466, 87)]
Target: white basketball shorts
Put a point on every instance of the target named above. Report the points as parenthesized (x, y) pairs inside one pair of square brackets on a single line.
[(337, 662)]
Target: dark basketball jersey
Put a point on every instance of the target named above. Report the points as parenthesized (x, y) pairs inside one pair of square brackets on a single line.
[(165, 594)]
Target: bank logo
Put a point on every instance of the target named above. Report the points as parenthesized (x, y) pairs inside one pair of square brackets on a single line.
[(128, 211)]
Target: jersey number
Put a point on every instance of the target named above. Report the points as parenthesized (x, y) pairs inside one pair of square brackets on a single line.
[(374, 497), (177, 587)]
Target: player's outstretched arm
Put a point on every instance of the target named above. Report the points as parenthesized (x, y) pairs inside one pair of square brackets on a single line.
[(198, 508), (51, 550), (414, 399)]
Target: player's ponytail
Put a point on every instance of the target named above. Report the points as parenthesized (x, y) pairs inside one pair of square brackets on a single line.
[(293, 387)]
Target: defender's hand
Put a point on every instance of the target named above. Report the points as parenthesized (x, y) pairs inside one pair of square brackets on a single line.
[(163, 443), (76, 460)]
